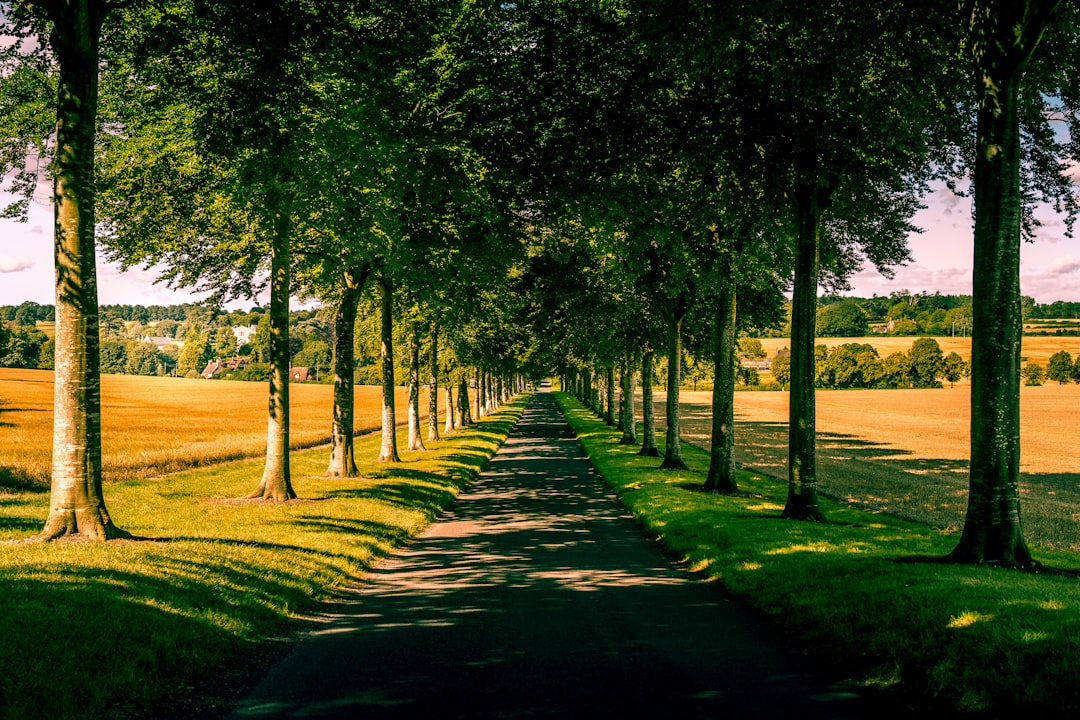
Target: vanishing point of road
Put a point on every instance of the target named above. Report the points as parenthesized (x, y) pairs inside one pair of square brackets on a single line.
[(535, 596)]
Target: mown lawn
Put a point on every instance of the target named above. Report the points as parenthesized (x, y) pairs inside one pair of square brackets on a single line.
[(866, 592), (126, 629)]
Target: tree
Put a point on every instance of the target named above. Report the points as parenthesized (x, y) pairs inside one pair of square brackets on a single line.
[(1034, 374), (842, 319), (927, 363), (1002, 39), (388, 451), (74, 32), (1059, 368), (194, 354), (781, 369), (751, 347), (142, 359), (955, 368)]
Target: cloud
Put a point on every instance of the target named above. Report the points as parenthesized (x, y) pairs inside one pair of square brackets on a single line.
[(38, 230), (1064, 265), (10, 264)]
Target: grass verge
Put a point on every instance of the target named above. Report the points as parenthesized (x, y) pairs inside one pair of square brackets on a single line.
[(864, 592), (127, 629)]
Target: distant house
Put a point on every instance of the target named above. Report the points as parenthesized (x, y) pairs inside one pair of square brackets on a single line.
[(756, 363), (212, 368), (883, 329), (159, 341), (299, 374), (217, 366), (244, 333)]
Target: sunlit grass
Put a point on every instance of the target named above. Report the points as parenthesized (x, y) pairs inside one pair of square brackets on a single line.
[(121, 629), (865, 593)]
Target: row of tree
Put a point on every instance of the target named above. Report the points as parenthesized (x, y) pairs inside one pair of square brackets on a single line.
[(323, 149), (714, 152), (858, 365), (566, 185)]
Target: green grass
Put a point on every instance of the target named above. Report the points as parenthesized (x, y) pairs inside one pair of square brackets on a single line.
[(124, 629), (864, 593)]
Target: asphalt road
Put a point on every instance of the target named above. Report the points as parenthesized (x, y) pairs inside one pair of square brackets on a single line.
[(535, 596)]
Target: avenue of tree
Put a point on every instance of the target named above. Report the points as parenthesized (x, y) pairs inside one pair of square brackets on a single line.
[(567, 187)]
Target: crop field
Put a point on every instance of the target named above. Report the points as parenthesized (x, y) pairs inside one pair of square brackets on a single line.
[(905, 452), (152, 426), (1034, 348)]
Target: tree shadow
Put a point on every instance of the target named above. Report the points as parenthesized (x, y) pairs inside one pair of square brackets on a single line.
[(18, 480)]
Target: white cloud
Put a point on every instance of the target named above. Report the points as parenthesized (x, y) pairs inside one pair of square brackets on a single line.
[(10, 264), (1064, 265)]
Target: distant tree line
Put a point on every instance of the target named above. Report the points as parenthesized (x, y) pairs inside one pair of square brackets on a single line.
[(202, 334), (934, 314), (858, 365), (1060, 368)]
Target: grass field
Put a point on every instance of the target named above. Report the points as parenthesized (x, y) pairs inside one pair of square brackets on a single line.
[(865, 593), (152, 426), (180, 621), (1034, 349), (906, 451)]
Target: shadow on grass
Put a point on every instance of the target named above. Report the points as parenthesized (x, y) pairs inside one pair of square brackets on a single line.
[(19, 481), (128, 643)]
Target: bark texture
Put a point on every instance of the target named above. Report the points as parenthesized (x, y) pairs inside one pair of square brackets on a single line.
[(609, 391), (464, 416), (648, 417), (673, 459), (415, 442), (342, 457), (626, 406), (76, 500), (802, 499), (433, 385), (388, 451), (1004, 36), (276, 483), (450, 421), (721, 477)]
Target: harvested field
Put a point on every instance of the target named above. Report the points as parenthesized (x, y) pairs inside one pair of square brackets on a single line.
[(152, 426), (905, 452)]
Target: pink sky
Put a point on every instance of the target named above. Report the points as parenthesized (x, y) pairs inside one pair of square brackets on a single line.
[(1050, 267)]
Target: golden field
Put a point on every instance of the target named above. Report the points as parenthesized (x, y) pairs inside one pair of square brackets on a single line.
[(906, 451), (1036, 348), (152, 426)]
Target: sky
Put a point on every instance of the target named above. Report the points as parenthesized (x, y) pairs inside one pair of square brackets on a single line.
[(942, 259)]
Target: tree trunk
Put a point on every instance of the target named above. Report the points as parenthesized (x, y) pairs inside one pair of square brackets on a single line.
[(802, 500), (626, 407), (992, 531), (480, 394), (388, 451), (609, 403), (76, 500), (464, 417), (721, 477), (342, 459), (672, 447), (450, 421), (415, 443), (433, 384), (276, 483), (648, 417)]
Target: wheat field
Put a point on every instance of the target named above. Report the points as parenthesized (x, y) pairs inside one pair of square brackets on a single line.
[(906, 452), (1034, 348), (152, 426)]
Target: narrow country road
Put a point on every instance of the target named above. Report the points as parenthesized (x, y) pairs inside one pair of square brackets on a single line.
[(535, 596)]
